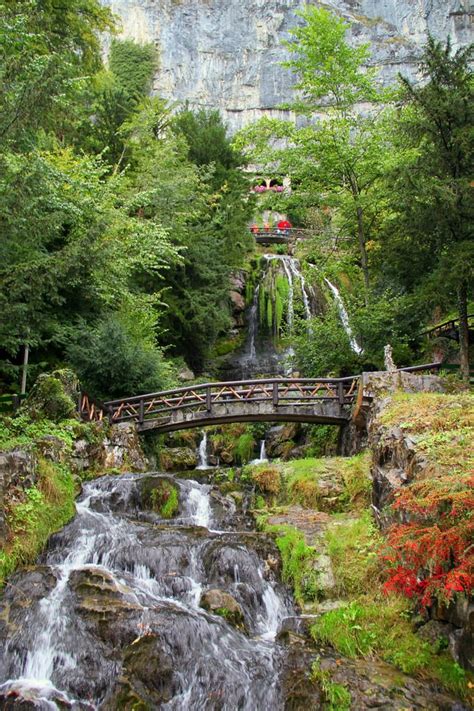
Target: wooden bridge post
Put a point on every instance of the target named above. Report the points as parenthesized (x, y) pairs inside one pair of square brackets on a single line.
[(340, 393), (275, 394), (208, 399), (110, 414), (141, 414)]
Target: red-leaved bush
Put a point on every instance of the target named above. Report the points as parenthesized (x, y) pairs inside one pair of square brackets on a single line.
[(431, 556)]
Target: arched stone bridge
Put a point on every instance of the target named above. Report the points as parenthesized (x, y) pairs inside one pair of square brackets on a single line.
[(322, 400)]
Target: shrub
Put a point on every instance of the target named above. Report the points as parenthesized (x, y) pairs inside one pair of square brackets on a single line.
[(267, 479), (111, 361)]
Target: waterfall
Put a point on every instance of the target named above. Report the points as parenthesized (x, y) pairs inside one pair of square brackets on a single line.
[(112, 590), (202, 452), (344, 317), (293, 273), (253, 324)]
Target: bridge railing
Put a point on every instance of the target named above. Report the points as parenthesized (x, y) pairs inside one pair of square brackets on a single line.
[(203, 398)]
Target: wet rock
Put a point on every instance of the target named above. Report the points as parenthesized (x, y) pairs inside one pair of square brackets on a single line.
[(147, 677), (281, 440), (221, 603), (460, 616), (178, 459)]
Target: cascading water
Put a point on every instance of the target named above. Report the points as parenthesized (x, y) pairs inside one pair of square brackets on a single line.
[(344, 317), (113, 610), (261, 354)]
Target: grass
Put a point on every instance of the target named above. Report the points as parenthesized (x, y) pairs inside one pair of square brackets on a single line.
[(37, 513), (297, 561)]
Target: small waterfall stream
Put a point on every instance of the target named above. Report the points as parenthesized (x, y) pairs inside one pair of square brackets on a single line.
[(344, 317), (261, 354), (202, 453), (114, 607)]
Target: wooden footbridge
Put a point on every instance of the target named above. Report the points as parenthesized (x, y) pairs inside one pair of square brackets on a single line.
[(322, 400)]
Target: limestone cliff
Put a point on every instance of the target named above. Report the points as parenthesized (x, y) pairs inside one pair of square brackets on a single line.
[(225, 54)]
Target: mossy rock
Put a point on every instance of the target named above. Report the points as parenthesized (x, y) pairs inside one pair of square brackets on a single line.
[(161, 495), (53, 396)]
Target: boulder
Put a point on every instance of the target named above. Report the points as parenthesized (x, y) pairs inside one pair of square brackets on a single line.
[(17, 469), (223, 604), (237, 300)]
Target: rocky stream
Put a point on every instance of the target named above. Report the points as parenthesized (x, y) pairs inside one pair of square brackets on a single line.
[(125, 607)]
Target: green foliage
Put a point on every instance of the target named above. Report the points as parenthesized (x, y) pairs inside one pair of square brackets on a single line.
[(164, 499), (325, 350), (365, 628), (111, 362), (244, 447), (39, 512), (22, 431), (323, 440), (353, 548)]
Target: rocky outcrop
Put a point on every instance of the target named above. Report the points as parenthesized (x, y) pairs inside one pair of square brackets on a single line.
[(227, 55), (17, 470)]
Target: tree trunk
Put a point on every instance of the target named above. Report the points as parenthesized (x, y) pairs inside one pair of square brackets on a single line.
[(363, 251), (463, 332)]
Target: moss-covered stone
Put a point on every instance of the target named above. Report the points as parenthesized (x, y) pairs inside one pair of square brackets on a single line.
[(53, 396), (223, 604)]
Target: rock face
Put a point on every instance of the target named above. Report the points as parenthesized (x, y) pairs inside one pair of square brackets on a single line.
[(226, 55)]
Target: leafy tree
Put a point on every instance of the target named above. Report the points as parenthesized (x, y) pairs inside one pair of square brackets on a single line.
[(205, 217), (46, 51), (68, 250), (334, 155), (208, 143), (427, 239), (133, 65)]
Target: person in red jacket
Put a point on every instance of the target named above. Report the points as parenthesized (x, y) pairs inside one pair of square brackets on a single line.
[(284, 226)]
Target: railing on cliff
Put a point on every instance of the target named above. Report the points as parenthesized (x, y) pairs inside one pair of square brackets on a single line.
[(448, 329)]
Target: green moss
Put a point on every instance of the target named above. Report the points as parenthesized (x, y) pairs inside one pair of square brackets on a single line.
[(41, 511), (442, 424), (244, 447), (269, 314), (297, 560)]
